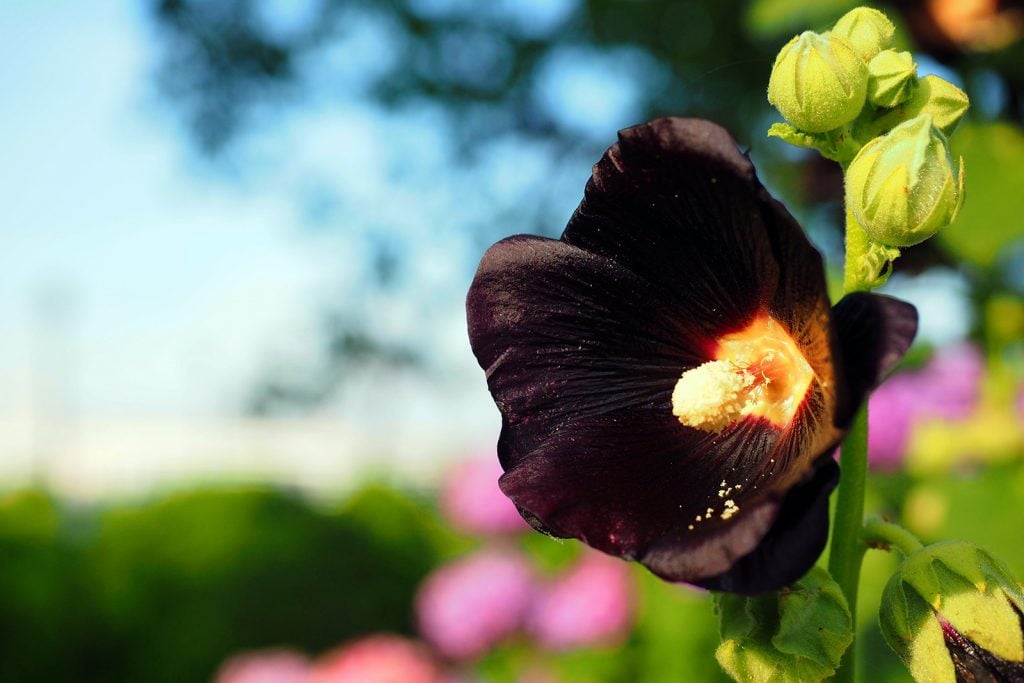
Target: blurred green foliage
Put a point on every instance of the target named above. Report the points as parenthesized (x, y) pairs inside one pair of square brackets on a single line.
[(168, 589), (992, 218), (776, 18)]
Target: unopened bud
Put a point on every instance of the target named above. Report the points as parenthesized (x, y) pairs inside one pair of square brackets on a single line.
[(901, 187), (933, 96), (867, 30), (818, 82), (891, 78), (953, 612)]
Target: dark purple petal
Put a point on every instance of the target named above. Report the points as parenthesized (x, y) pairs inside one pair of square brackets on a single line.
[(874, 333), (566, 335), (975, 664), (793, 543), (634, 483), (676, 202)]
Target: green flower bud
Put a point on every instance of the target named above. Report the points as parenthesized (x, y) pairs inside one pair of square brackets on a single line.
[(867, 30), (938, 98), (953, 612), (891, 78), (818, 82), (901, 187)]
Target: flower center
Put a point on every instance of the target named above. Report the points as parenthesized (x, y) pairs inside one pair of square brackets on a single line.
[(757, 371)]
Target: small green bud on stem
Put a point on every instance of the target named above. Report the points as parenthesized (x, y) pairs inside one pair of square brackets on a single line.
[(866, 30), (902, 187), (891, 78), (818, 82)]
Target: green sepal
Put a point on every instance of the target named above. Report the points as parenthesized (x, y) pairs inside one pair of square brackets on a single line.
[(797, 634), (837, 145), (875, 265), (787, 132)]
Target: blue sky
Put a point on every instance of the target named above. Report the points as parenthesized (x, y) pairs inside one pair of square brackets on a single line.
[(178, 284)]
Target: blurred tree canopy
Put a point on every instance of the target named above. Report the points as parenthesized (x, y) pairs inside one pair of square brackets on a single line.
[(485, 62), (524, 73)]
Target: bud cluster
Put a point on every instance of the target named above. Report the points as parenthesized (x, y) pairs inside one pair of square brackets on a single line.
[(847, 93)]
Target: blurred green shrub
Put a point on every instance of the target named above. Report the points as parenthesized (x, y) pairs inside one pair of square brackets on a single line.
[(166, 590), (47, 611)]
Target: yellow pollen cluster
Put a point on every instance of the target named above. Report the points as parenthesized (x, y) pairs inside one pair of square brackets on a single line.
[(757, 371), (712, 396)]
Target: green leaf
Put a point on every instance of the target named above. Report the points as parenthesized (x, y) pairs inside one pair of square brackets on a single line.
[(797, 634)]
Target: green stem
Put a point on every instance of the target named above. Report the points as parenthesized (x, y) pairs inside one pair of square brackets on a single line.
[(857, 246), (847, 549), (878, 531)]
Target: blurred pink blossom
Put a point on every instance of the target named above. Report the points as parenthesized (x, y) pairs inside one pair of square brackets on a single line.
[(590, 605), (468, 606), (377, 659), (947, 387), (266, 666), (472, 501)]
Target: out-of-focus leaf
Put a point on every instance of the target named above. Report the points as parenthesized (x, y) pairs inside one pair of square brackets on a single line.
[(984, 507), (772, 18), (675, 636), (993, 214)]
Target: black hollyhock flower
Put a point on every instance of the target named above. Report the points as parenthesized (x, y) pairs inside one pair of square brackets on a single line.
[(671, 379)]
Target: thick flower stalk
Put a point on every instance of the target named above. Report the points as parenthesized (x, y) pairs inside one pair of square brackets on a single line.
[(671, 378)]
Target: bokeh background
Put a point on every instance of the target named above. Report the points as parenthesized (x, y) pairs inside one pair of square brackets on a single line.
[(242, 434)]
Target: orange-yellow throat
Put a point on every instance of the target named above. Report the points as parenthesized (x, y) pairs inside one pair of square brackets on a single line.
[(757, 371)]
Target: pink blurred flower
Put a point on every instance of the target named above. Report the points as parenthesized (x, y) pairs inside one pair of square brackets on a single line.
[(953, 380), (472, 501), (266, 666), (890, 415), (468, 606), (947, 387), (591, 604), (377, 659)]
